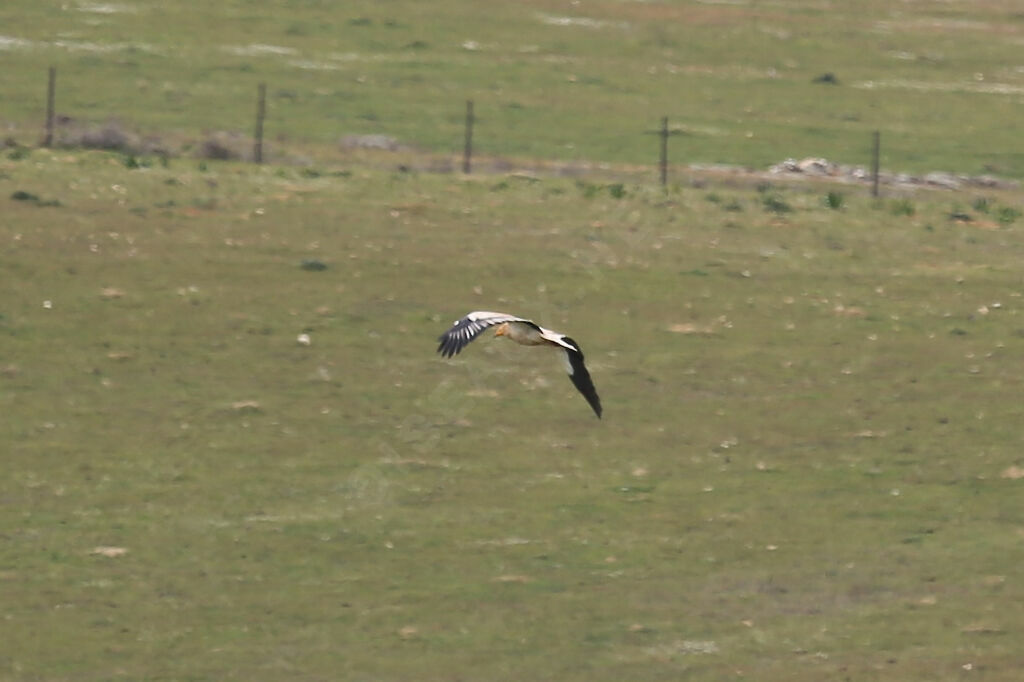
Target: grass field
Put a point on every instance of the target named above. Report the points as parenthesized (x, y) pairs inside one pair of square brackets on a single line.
[(808, 468), (583, 81), (810, 465)]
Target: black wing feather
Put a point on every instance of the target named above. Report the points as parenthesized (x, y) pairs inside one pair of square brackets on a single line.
[(580, 377), (468, 328)]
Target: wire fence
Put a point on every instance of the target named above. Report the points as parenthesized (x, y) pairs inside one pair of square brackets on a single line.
[(664, 132)]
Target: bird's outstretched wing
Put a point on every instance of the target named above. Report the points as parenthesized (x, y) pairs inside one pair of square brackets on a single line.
[(579, 375), (469, 327), (472, 325)]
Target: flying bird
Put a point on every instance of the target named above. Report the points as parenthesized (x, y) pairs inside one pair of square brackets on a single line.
[(527, 333)]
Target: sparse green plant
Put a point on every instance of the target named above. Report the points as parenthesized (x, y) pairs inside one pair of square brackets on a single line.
[(902, 207), (774, 203), (589, 190), (834, 200), (133, 162), (1007, 214), (981, 204)]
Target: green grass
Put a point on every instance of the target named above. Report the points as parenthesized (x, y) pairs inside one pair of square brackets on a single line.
[(799, 477), (809, 463), (550, 81)]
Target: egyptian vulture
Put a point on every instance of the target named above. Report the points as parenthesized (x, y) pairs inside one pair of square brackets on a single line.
[(527, 333)]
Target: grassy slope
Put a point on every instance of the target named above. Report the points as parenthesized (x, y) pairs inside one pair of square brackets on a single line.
[(800, 482), (945, 80)]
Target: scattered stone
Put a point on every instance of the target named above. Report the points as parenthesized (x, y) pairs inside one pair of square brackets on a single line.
[(943, 180), (690, 328), (817, 167), (380, 142), (110, 293), (512, 579), (110, 552), (813, 167)]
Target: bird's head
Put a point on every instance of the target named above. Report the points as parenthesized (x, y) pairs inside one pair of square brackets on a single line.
[(502, 329)]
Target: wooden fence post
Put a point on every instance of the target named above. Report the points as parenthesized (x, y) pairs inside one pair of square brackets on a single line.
[(261, 111), (51, 97), (875, 162), (467, 151)]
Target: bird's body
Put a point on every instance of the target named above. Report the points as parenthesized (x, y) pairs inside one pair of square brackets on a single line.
[(527, 333)]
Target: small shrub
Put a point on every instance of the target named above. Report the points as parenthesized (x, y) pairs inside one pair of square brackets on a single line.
[(774, 203), (21, 195), (133, 162), (617, 190), (834, 200), (222, 146), (110, 136), (213, 149), (981, 205), (313, 265), (588, 189), (1007, 214), (902, 207)]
